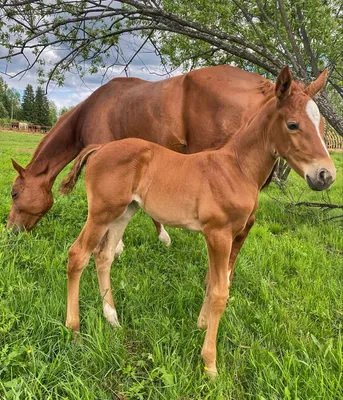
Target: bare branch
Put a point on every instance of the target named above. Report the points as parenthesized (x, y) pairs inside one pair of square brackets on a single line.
[(307, 45), (290, 35), (173, 21), (137, 51), (319, 205)]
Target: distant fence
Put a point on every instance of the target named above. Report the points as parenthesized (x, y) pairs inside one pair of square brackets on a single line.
[(24, 127), (332, 139)]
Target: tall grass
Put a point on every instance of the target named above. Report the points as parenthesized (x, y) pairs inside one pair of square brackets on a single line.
[(280, 336)]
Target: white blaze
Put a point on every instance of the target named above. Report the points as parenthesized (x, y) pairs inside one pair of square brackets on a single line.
[(313, 113)]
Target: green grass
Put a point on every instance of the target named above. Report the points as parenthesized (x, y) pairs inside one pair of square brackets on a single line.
[(279, 338)]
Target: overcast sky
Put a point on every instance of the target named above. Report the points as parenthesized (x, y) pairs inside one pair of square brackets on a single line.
[(146, 66)]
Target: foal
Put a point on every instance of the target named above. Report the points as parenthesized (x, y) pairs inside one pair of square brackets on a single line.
[(214, 192)]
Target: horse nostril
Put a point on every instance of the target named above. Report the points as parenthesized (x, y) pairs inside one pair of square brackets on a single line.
[(322, 175)]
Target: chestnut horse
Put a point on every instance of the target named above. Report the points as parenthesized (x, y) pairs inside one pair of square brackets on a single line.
[(213, 192), (188, 113)]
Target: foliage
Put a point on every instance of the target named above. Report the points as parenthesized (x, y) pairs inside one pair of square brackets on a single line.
[(3, 111), (5, 121), (9, 101), (258, 36), (64, 110), (306, 35), (285, 306), (52, 113)]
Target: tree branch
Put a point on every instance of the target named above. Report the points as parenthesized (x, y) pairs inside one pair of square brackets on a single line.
[(291, 37), (328, 206), (307, 45)]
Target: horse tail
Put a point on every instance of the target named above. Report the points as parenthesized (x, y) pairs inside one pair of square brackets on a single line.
[(68, 184)]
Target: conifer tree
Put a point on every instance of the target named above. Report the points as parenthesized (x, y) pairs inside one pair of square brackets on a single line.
[(28, 105), (42, 108)]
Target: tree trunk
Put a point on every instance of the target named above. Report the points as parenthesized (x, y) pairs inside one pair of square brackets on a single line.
[(326, 108)]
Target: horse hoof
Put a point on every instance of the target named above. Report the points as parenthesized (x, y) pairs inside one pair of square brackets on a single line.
[(164, 237), (110, 314), (73, 324), (115, 325), (211, 372), (77, 338)]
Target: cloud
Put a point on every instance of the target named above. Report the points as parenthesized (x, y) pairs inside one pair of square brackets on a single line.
[(146, 65)]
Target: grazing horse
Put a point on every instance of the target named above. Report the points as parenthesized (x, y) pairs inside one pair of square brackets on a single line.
[(188, 113), (213, 192)]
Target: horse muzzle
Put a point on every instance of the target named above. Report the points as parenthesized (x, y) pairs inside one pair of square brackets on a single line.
[(322, 180), (22, 222), (14, 228)]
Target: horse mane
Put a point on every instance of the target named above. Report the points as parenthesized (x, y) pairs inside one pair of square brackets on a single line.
[(46, 138), (38, 148), (266, 87)]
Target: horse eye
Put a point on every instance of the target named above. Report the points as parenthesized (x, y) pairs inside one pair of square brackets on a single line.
[(292, 126), (14, 195)]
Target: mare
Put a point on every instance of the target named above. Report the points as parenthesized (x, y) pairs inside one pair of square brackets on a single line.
[(213, 192), (188, 113)]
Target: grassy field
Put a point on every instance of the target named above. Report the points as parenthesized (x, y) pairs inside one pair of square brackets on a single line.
[(280, 336)]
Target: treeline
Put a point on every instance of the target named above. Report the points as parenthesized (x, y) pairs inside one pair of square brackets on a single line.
[(35, 108), (10, 105)]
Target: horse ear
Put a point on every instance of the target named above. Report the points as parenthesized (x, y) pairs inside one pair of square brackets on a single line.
[(283, 83), (317, 85), (18, 168)]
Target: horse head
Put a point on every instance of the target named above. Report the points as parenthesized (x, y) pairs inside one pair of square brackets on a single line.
[(296, 131), (31, 199)]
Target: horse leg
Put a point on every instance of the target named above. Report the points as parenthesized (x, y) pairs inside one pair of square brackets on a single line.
[(104, 255), (78, 257), (162, 233), (219, 248), (236, 246), (202, 319)]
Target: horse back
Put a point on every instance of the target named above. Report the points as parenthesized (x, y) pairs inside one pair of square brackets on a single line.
[(128, 107), (219, 102), (188, 113)]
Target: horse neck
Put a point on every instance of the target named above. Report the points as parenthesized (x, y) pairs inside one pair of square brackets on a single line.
[(56, 150), (253, 149)]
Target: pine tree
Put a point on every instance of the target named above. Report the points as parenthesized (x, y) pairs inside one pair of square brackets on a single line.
[(42, 108), (28, 105)]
